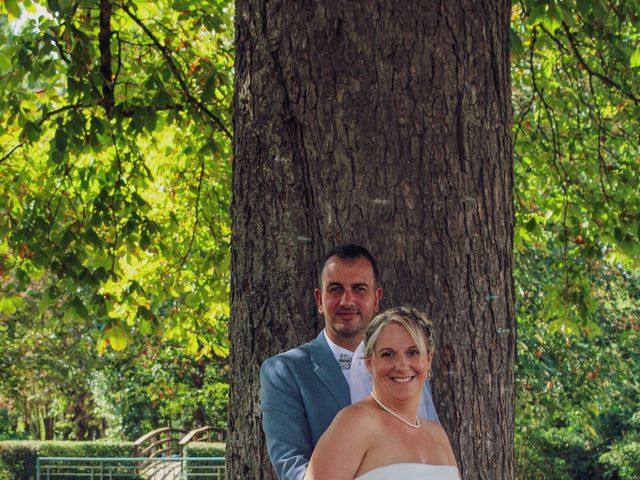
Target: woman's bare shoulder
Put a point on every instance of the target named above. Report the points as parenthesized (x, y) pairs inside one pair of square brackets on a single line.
[(439, 435), (358, 414), (433, 427), (342, 447)]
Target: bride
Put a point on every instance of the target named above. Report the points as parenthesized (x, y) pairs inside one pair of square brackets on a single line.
[(381, 437)]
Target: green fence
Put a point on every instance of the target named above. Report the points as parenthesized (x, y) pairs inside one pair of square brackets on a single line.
[(140, 468)]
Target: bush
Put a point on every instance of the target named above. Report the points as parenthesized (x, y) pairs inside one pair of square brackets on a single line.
[(206, 467), (5, 474), (623, 459), (204, 449), (18, 458)]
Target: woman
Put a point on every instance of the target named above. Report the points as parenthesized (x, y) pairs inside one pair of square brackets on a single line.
[(381, 437)]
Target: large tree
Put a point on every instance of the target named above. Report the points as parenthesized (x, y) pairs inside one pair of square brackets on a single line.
[(386, 124)]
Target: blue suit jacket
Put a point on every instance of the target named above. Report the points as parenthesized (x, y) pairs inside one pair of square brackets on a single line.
[(301, 391)]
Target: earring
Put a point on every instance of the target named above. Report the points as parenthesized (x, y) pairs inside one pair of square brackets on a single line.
[(429, 375)]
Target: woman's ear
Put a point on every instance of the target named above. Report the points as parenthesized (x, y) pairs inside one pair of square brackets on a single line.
[(429, 360), (367, 363)]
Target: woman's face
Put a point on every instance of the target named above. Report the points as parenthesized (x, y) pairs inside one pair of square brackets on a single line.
[(397, 367)]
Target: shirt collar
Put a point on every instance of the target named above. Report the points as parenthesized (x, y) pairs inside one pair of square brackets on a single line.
[(337, 349)]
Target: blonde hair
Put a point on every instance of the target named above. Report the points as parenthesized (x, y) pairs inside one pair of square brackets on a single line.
[(415, 322)]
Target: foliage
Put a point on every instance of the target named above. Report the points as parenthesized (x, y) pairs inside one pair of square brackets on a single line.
[(55, 378), (5, 473), (622, 460), (114, 226), (160, 386), (19, 458), (49, 362), (6, 424), (202, 449), (576, 87), (577, 394), (205, 449), (115, 231), (576, 90), (125, 106)]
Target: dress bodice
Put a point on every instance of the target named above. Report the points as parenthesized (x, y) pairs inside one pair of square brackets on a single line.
[(418, 471)]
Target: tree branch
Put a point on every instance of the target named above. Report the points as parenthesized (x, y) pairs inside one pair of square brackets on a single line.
[(104, 39), (197, 220), (50, 114), (10, 152), (591, 71), (129, 112), (113, 205), (562, 176), (176, 71)]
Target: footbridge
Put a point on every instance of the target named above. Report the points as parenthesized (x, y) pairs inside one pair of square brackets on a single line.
[(161, 454)]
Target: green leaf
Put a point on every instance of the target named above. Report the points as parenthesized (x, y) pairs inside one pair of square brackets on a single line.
[(516, 43), (118, 337), (32, 131), (220, 350), (80, 308), (635, 58), (192, 344), (5, 63), (13, 8), (9, 305), (584, 6)]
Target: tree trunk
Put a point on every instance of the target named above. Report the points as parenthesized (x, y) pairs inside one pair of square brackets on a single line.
[(199, 416), (387, 124), (49, 426)]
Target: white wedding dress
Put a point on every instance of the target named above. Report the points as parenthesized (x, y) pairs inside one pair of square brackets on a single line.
[(410, 471)]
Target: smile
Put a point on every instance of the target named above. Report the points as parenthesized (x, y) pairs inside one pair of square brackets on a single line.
[(402, 379)]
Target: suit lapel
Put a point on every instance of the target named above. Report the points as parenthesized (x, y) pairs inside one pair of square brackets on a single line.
[(328, 370)]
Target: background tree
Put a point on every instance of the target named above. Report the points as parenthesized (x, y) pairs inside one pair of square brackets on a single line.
[(387, 125), (575, 78), (114, 224), (113, 130), (577, 102)]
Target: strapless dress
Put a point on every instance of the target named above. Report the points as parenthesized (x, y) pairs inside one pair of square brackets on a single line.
[(410, 471)]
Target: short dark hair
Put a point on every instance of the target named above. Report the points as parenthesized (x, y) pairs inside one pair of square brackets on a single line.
[(350, 251)]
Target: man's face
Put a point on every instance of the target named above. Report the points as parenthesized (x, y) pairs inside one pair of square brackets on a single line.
[(348, 299)]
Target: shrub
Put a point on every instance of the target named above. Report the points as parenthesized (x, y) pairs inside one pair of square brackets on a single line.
[(5, 474), (204, 449), (623, 460), (18, 458)]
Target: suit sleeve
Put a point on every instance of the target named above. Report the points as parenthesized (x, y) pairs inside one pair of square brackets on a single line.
[(284, 421)]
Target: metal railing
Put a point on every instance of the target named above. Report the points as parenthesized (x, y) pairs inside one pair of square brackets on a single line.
[(138, 468)]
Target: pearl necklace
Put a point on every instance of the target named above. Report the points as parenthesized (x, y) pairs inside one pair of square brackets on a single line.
[(394, 414)]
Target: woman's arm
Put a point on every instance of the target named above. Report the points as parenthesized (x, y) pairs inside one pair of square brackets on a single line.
[(342, 447)]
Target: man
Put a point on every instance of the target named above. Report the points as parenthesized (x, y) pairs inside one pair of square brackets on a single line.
[(303, 389)]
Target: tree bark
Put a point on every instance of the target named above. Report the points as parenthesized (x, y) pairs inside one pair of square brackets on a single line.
[(387, 124)]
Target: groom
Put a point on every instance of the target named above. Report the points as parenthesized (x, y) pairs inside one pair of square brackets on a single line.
[(303, 389)]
